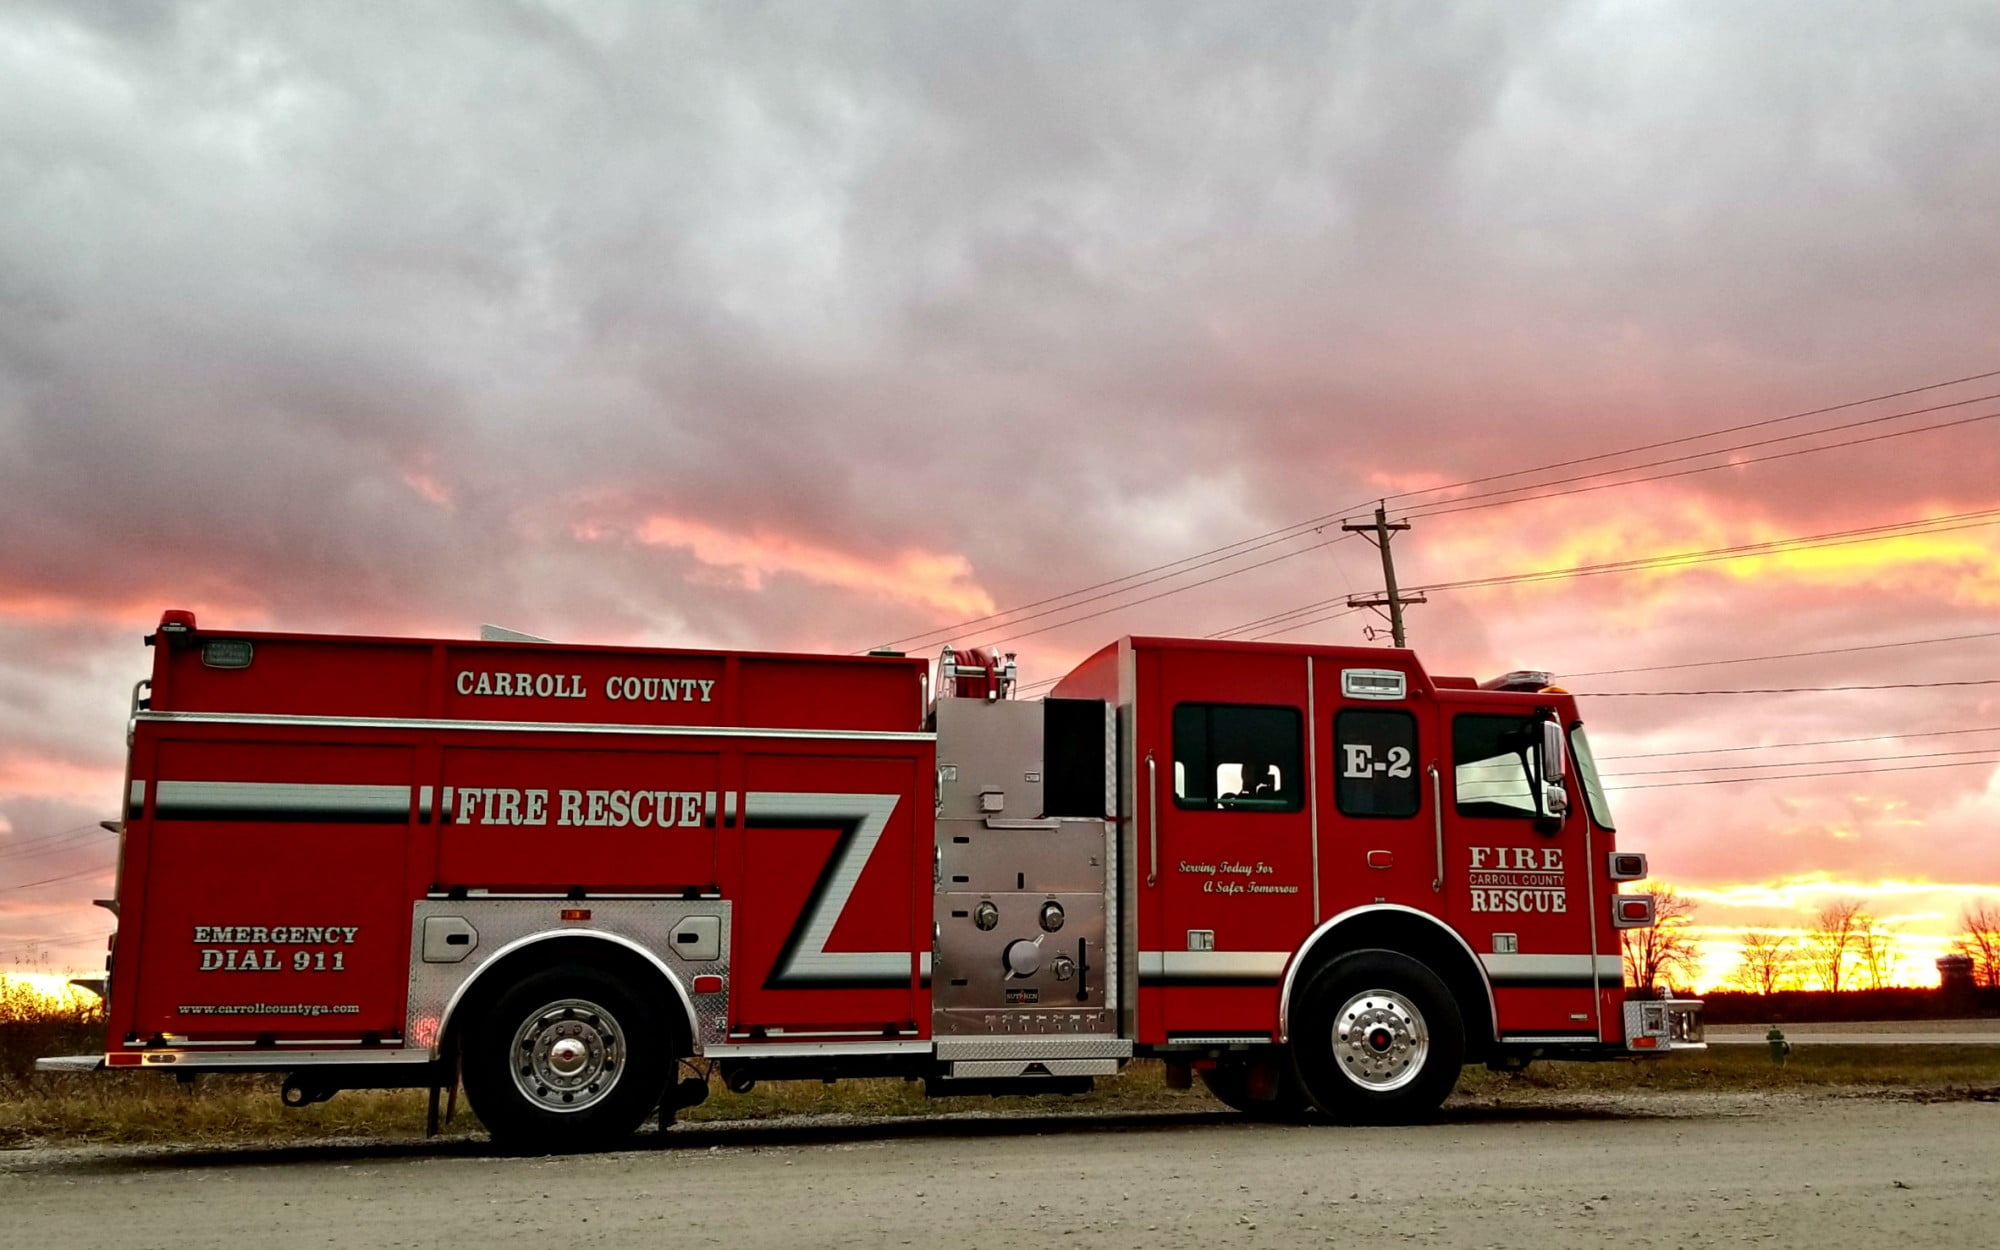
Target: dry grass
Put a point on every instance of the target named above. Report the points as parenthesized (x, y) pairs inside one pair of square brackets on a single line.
[(146, 1107), (1750, 1068)]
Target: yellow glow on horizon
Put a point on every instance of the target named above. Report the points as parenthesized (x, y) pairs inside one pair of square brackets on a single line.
[(53, 988), (1807, 891), (1658, 522), (1896, 561), (1917, 922), (1912, 961)]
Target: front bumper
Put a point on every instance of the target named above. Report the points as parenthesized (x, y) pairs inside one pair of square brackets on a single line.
[(1656, 1026)]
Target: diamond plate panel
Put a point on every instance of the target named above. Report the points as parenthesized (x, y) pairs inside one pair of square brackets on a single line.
[(506, 925), (990, 1068), (1032, 1048)]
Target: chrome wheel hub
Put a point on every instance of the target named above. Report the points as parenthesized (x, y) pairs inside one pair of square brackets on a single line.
[(568, 1055), (1380, 1041)]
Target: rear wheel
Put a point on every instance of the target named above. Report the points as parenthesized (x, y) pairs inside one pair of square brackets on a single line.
[(1378, 1039), (568, 1059)]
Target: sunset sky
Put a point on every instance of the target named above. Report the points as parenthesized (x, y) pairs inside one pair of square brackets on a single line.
[(825, 325)]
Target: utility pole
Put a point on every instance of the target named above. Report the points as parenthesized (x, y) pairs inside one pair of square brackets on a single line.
[(1378, 532)]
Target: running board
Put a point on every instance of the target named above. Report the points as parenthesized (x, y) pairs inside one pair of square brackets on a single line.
[(1043, 1046), (1026, 1069)]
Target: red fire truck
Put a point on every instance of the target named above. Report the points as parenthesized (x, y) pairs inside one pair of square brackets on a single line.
[(1319, 878)]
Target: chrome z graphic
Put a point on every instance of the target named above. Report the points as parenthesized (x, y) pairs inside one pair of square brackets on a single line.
[(805, 962)]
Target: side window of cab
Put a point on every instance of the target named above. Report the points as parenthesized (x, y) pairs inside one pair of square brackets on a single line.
[(1494, 766), (1238, 757)]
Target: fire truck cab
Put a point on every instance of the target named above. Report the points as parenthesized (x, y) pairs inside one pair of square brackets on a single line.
[(1318, 878)]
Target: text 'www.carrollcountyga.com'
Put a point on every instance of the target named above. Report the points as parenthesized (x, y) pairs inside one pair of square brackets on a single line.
[(272, 1009)]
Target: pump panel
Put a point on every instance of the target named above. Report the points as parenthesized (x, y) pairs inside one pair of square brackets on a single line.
[(1022, 915)]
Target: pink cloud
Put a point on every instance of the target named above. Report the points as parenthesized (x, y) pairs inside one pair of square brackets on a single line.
[(940, 581)]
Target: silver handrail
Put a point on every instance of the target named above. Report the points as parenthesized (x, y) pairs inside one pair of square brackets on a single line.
[(1153, 819), (1437, 819)]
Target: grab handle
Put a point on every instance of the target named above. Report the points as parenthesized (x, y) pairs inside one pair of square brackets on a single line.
[(1152, 820), (1437, 819)]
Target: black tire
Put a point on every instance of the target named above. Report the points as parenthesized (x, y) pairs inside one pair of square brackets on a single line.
[(568, 1059), (1230, 1085), (1378, 1039)]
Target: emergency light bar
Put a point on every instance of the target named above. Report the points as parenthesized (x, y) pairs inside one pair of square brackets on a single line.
[(1520, 679)]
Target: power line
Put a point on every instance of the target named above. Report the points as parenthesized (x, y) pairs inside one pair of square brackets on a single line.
[(1245, 546), (1449, 507), (68, 876), (1775, 546), (1272, 619), (1693, 438), (1859, 759), (1816, 742), (1787, 655), (1025, 687), (41, 839), (1302, 624), (1473, 507), (51, 844), (26, 946), (1896, 685), (1865, 772), (1133, 603), (1151, 581), (1713, 555)]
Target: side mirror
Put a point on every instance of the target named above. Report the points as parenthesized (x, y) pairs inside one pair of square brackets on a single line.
[(1555, 767), (1555, 753)]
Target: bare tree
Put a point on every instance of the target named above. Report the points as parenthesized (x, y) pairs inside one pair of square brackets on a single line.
[(1979, 940), (1830, 944), (1767, 962), (1666, 954), (1874, 950)]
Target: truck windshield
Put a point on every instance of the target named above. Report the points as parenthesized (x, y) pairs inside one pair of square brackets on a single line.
[(1586, 772)]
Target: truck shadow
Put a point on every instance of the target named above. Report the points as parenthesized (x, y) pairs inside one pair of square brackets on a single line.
[(797, 1133)]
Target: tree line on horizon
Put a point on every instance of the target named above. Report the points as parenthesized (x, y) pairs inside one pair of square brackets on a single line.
[(1845, 947)]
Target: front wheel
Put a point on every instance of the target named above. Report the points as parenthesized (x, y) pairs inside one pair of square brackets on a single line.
[(568, 1059), (1378, 1039)]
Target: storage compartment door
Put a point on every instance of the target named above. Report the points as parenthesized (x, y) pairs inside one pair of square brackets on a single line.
[(276, 900)]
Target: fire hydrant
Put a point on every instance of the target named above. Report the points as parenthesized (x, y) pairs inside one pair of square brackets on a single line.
[(1775, 1039)]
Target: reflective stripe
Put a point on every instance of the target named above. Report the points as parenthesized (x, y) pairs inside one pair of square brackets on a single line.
[(1508, 968), (245, 799), (502, 726), (785, 1050), (1248, 966), (862, 819)]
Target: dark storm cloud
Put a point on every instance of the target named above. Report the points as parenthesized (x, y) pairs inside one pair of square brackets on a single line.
[(789, 265)]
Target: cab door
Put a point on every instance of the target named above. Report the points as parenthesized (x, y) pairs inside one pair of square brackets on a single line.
[(1228, 894), (1377, 749), (1519, 881)]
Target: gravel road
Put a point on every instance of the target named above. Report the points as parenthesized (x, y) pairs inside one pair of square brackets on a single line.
[(1633, 1171)]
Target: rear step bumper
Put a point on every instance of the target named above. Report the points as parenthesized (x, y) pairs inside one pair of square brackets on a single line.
[(261, 1059), (1656, 1026)]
